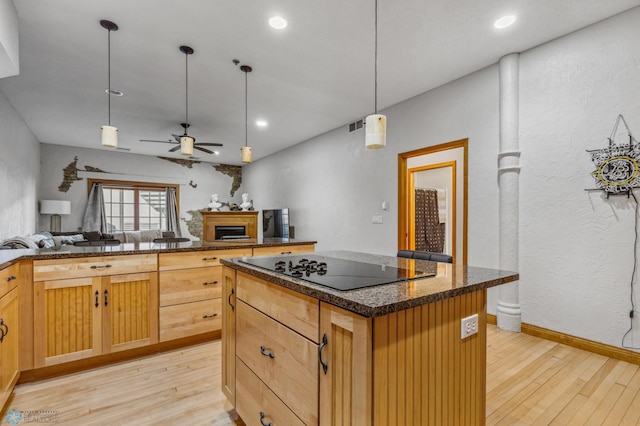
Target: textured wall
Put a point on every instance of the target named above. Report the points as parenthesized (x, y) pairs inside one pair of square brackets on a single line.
[(19, 174), (197, 182), (576, 247)]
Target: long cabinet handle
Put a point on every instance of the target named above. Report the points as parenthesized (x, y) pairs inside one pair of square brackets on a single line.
[(209, 316), (204, 259), (4, 330), (325, 341), (100, 266), (97, 298), (233, 307), (262, 416), (11, 278), (263, 351), (210, 282), (106, 297)]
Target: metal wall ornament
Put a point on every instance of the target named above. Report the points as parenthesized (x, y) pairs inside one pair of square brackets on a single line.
[(617, 166)]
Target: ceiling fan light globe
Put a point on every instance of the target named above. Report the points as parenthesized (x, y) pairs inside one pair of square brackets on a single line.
[(376, 131), (186, 145), (109, 136), (246, 154)]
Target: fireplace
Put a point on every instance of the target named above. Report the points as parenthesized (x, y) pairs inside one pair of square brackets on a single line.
[(228, 226)]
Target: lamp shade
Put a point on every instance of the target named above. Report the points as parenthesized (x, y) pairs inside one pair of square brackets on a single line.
[(186, 145), (246, 154), (376, 131), (55, 207), (109, 136)]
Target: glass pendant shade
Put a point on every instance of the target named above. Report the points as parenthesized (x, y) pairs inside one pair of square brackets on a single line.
[(246, 154), (186, 145), (376, 131), (109, 136)]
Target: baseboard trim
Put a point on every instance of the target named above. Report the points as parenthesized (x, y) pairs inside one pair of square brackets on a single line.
[(577, 342)]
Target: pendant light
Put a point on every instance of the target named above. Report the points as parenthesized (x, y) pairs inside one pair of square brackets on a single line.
[(246, 150), (376, 124), (186, 141), (109, 132)]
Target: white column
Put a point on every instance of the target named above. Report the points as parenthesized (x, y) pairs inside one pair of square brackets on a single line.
[(509, 315)]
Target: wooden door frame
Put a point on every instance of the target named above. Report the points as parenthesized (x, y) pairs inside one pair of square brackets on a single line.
[(403, 190)]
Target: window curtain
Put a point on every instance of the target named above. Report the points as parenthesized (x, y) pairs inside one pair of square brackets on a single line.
[(429, 232), (94, 218), (173, 218)]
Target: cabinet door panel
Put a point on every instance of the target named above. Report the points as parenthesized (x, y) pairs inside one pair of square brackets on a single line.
[(67, 321), (130, 311), (229, 334), (9, 370)]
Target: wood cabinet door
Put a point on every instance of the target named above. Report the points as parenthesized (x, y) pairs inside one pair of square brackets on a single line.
[(130, 311), (9, 369), (67, 320), (345, 367), (229, 334)]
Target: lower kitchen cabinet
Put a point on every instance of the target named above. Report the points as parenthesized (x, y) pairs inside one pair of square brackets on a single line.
[(83, 317), (9, 369)]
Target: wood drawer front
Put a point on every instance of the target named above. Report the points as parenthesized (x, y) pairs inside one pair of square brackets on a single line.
[(9, 278), (198, 259), (254, 399), (297, 311), (284, 360), (304, 248), (190, 285), (56, 269), (189, 319)]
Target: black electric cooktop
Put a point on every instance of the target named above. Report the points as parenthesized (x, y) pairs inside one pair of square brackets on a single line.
[(339, 274)]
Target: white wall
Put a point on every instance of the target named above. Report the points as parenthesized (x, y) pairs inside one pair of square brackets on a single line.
[(19, 173), (576, 248), (133, 167)]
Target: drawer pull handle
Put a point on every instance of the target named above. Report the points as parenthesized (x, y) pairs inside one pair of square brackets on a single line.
[(210, 282), (262, 416), (4, 330), (325, 365), (97, 297), (209, 316), (233, 307), (100, 266), (286, 252), (11, 278), (264, 352), (204, 259), (106, 298)]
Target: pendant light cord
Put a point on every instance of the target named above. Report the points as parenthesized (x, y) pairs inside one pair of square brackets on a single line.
[(375, 90), (246, 107), (186, 91), (109, 73)]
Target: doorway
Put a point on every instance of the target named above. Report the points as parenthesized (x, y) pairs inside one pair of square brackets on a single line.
[(432, 199)]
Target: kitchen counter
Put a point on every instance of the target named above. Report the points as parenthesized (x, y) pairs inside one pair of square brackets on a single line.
[(7, 257), (450, 280)]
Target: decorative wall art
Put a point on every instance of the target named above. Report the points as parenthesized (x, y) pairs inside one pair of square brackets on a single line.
[(617, 166)]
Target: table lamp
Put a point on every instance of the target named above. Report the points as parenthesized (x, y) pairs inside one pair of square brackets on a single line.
[(55, 208)]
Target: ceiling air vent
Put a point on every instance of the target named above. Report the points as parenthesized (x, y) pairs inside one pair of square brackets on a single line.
[(356, 125)]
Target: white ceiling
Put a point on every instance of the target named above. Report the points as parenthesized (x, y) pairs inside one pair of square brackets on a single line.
[(314, 76)]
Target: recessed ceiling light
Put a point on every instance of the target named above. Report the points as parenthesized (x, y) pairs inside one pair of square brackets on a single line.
[(278, 22), (504, 22), (261, 123)]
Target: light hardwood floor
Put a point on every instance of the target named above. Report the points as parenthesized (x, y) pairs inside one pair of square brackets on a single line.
[(530, 381)]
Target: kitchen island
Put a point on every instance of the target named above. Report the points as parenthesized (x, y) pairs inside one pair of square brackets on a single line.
[(298, 352)]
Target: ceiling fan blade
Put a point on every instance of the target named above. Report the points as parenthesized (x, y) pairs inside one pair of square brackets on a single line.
[(208, 144), (175, 148), (149, 140), (203, 149)]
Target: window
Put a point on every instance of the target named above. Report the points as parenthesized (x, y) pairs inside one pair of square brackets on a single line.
[(134, 205)]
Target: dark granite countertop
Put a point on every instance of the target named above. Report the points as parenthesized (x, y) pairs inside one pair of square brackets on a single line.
[(7, 257), (450, 280)]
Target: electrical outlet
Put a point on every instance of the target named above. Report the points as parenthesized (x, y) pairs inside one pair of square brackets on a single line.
[(376, 219), (469, 326)]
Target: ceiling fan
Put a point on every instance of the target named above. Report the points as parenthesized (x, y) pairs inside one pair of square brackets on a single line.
[(184, 142)]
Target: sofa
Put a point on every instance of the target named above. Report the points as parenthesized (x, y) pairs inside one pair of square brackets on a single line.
[(92, 238)]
